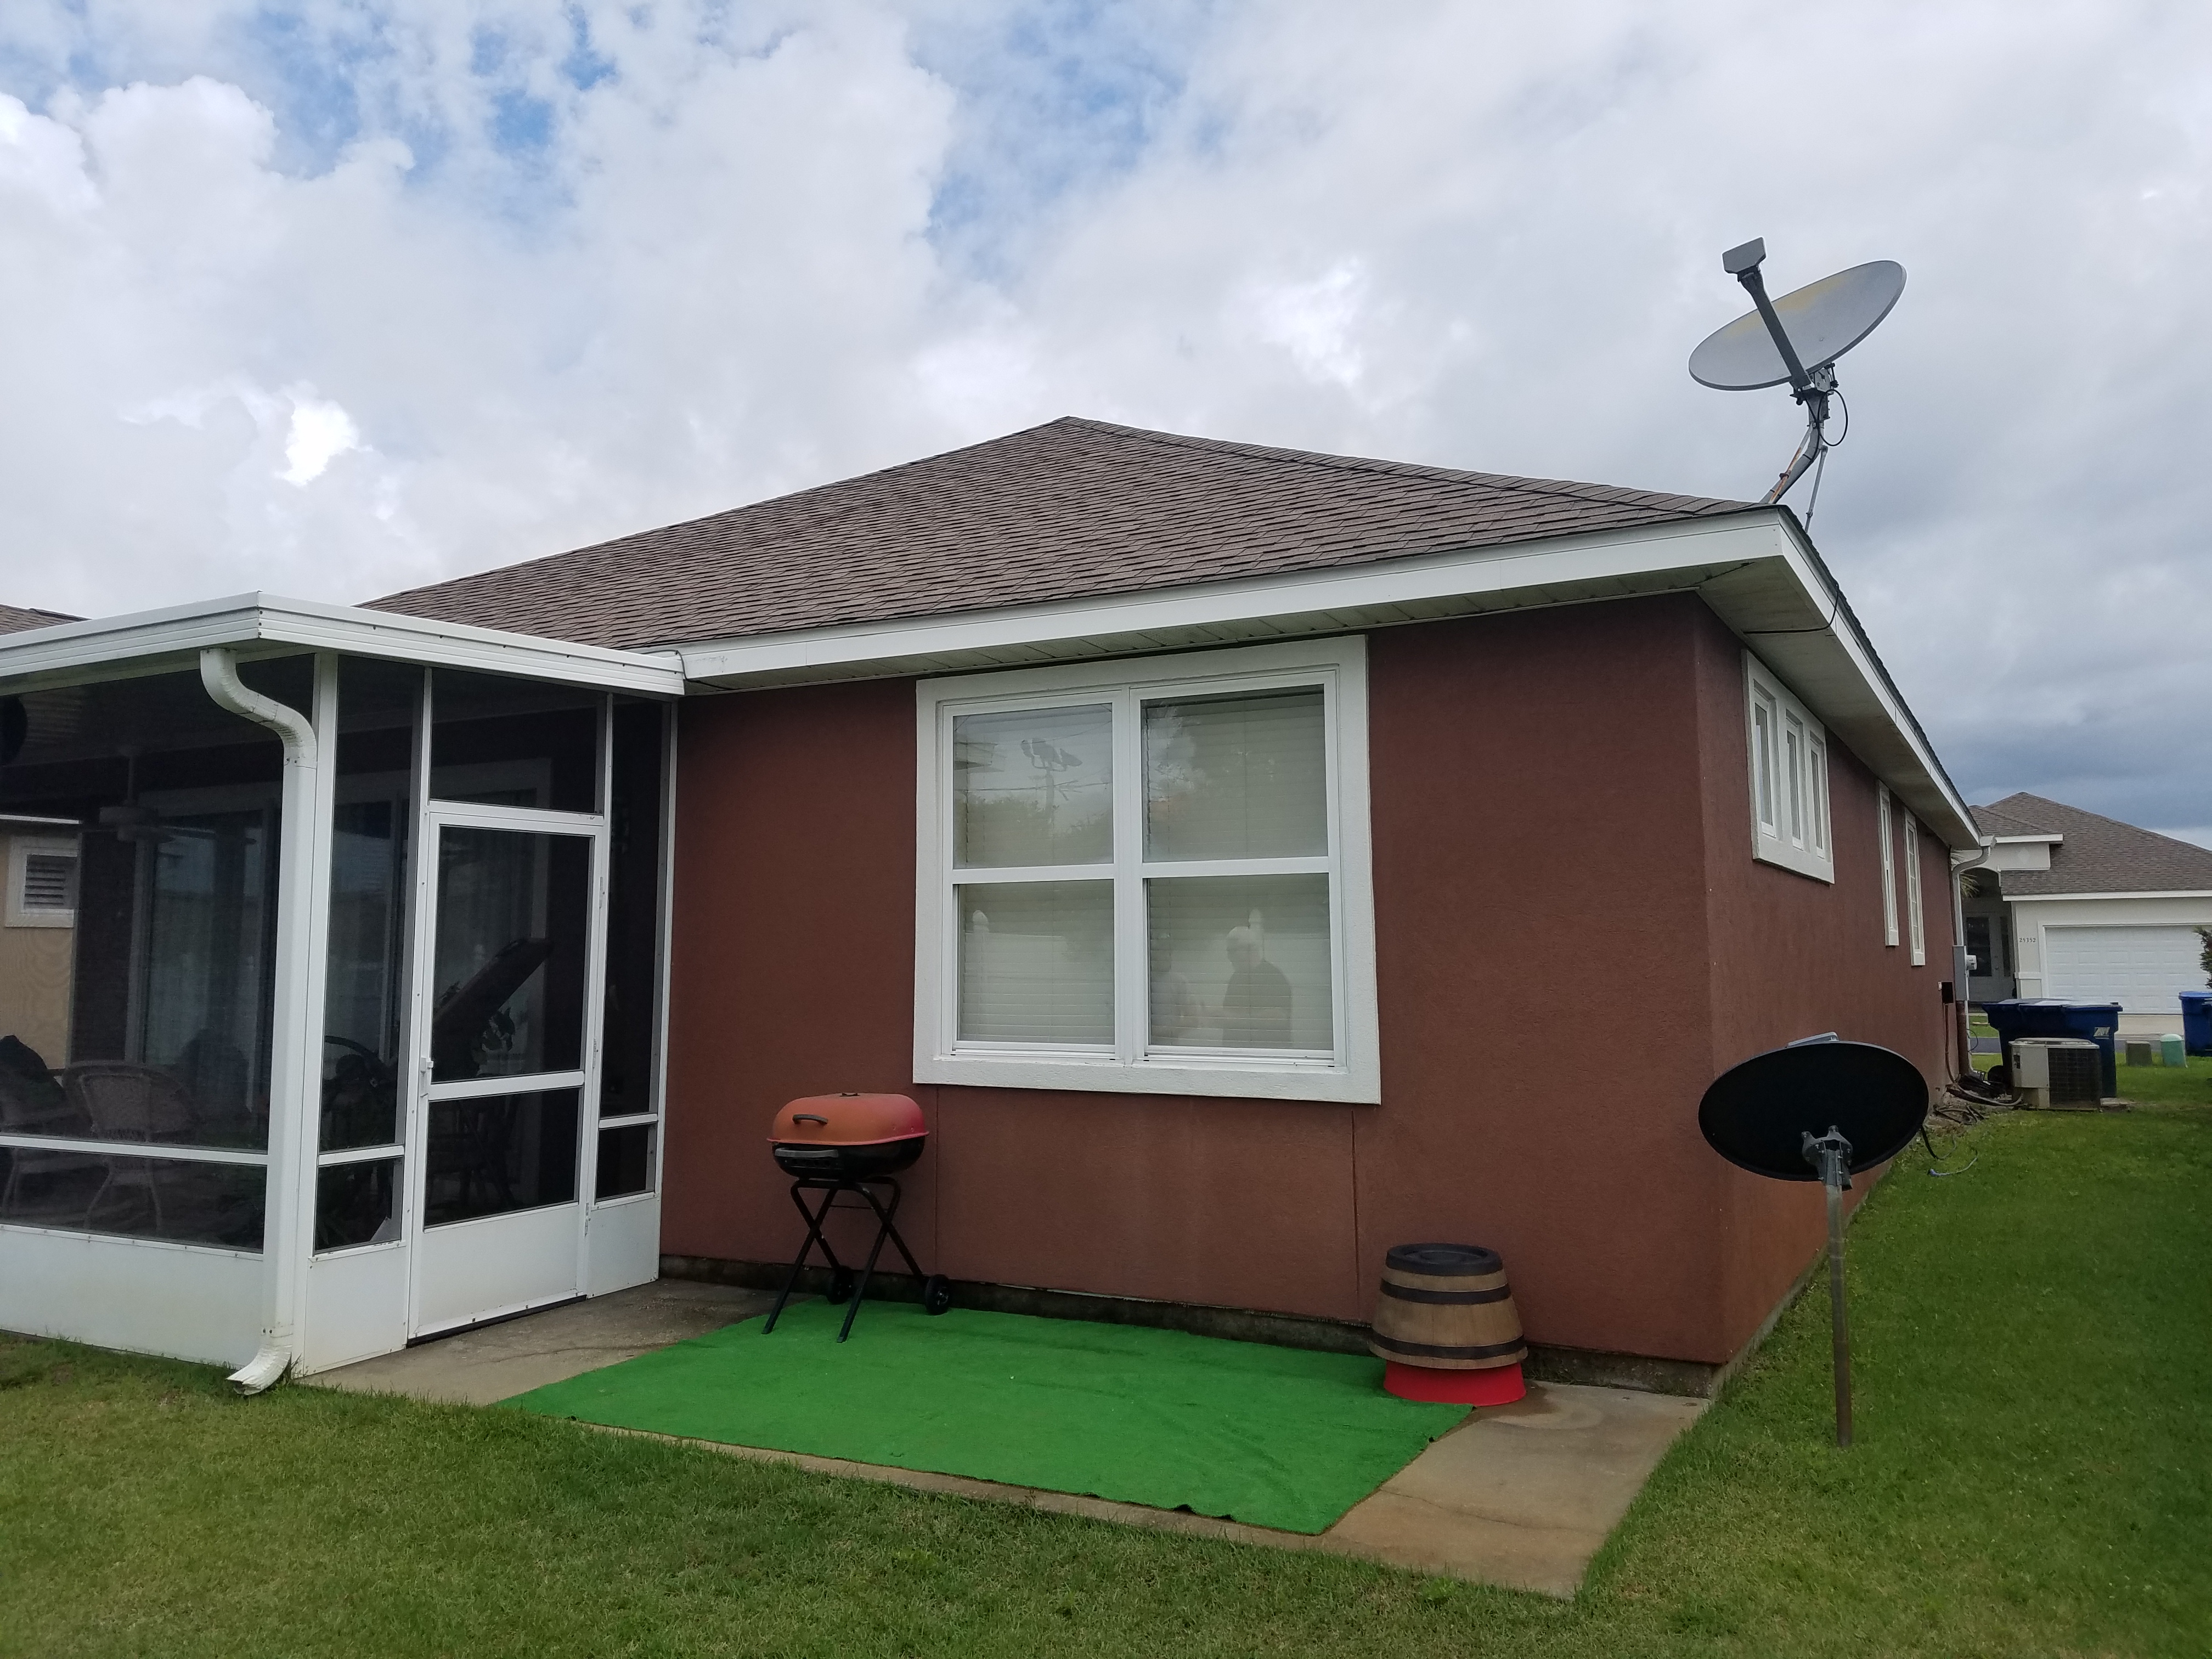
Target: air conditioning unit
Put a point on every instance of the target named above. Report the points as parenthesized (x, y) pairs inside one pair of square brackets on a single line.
[(2059, 1072)]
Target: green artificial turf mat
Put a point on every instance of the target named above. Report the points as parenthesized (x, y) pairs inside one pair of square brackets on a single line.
[(1279, 1437)]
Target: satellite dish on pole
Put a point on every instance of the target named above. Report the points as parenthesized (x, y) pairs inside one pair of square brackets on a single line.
[(1817, 1110), (1796, 340)]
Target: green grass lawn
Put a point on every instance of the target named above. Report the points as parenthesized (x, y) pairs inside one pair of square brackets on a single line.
[(2034, 1347)]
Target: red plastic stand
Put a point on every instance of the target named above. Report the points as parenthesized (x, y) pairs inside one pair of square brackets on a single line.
[(1495, 1385)]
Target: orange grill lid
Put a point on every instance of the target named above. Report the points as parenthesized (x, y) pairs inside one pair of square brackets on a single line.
[(848, 1121)]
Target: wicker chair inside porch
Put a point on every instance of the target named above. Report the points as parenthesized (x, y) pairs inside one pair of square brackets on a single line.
[(124, 1100)]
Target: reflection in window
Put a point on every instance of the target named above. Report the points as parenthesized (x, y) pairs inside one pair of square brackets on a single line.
[(1241, 962), (1034, 786), (1235, 777)]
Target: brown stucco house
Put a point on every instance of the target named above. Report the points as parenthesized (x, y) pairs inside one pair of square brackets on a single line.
[(1250, 860)]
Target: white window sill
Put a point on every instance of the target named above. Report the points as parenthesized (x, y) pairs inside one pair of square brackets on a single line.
[(1769, 849), (1247, 1081)]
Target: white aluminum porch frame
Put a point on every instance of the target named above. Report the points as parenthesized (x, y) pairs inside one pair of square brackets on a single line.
[(246, 627)]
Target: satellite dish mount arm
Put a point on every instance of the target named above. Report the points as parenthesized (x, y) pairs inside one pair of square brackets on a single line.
[(1809, 387)]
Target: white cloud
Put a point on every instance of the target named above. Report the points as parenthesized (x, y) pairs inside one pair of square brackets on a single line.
[(405, 289), (317, 434)]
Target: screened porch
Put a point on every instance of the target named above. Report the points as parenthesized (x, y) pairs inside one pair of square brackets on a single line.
[(330, 978)]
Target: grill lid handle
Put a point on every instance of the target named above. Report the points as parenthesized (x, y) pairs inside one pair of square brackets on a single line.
[(809, 1117)]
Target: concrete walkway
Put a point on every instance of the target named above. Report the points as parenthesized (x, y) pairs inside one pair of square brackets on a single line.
[(1519, 1495)]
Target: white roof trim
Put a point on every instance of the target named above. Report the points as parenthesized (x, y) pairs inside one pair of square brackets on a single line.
[(155, 641), (2007, 841), (2164, 893), (1753, 569)]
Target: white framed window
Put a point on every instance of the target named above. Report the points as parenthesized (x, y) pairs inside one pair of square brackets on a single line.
[(1149, 877), (41, 882), (1888, 866), (1789, 776), (1915, 927)]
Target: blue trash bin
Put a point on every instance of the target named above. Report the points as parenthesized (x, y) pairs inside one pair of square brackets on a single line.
[(2047, 1017), (2196, 1021)]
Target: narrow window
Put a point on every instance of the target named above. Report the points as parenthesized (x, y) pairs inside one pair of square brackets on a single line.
[(1915, 926), (1794, 753), (1789, 773), (1762, 757), (1816, 778), (1888, 866)]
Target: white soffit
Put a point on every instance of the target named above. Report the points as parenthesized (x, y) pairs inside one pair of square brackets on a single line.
[(1753, 569), (263, 624)]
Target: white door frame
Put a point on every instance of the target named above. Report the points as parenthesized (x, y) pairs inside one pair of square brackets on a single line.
[(433, 818)]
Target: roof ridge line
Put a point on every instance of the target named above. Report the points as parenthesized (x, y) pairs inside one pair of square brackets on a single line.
[(1570, 488)]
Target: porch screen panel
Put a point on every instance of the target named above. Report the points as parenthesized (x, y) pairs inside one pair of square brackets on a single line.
[(495, 1154), (513, 922), (636, 838), (138, 1012), (504, 742), (365, 978)]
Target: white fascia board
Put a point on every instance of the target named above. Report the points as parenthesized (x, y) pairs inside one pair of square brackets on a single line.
[(2061, 898), (152, 642), (1831, 666), (2009, 840), (1612, 564), (1751, 568)]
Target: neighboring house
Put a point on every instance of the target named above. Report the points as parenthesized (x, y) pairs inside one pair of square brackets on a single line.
[(38, 910), (2072, 905), (1251, 859)]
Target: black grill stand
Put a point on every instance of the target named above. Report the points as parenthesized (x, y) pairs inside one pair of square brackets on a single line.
[(936, 1290)]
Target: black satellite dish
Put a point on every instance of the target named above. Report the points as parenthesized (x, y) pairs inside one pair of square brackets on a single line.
[(1817, 1110)]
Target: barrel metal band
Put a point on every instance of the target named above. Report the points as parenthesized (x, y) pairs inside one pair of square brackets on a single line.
[(1436, 1351), (1446, 1298)]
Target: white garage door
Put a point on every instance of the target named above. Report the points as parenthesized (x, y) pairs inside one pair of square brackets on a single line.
[(2144, 970)]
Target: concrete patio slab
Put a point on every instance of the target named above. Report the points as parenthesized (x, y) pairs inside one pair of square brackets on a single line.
[(497, 1362), (1519, 1495)]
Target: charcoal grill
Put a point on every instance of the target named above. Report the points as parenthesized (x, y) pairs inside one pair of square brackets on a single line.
[(851, 1144)]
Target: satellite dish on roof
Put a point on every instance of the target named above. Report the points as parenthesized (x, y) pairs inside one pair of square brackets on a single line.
[(1796, 340), (1817, 1110)]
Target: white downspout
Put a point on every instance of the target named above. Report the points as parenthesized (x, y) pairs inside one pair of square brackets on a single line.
[(1960, 863), (296, 1021)]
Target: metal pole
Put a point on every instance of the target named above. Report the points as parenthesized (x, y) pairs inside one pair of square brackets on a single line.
[(1841, 1334), (1830, 1154)]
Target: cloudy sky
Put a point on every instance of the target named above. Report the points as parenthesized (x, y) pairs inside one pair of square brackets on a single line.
[(335, 298)]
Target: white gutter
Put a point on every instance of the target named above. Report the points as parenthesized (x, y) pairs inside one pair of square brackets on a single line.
[(1961, 976), (295, 1020), (263, 624)]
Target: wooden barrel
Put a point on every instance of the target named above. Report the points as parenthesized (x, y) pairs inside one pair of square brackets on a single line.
[(1447, 1307)]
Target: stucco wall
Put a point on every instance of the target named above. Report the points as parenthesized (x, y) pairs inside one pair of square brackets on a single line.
[(1558, 818), (1792, 956)]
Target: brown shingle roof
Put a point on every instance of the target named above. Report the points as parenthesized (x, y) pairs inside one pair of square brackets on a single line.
[(1071, 509), (16, 619), (2099, 855)]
